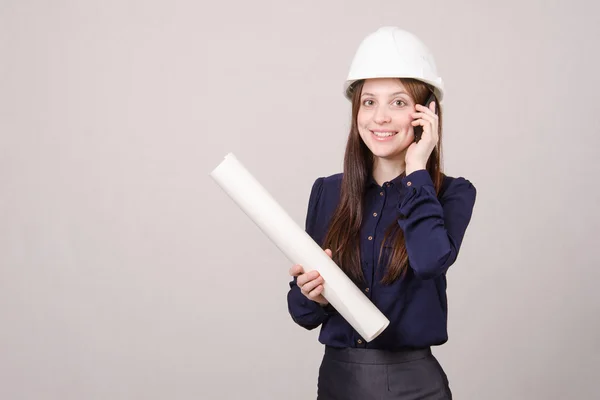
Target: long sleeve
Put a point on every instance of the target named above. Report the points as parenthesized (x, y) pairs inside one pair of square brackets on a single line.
[(434, 229), (305, 312)]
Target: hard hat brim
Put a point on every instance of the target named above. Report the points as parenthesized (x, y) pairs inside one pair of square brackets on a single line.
[(437, 85)]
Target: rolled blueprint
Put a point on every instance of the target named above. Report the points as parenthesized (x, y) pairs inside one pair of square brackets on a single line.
[(299, 247)]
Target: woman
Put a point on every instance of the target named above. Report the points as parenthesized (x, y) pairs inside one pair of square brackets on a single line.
[(394, 224)]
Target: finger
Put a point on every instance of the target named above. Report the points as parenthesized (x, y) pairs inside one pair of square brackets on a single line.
[(426, 117), (328, 251), (309, 286), (316, 292), (426, 129), (426, 123), (421, 121), (296, 270), (427, 110), (430, 117), (307, 277)]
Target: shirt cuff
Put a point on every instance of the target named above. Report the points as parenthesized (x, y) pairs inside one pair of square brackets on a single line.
[(301, 305), (329, 309), (417, 179)]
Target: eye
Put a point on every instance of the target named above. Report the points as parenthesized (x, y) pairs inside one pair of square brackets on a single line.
[(368, 103), (399, 103)]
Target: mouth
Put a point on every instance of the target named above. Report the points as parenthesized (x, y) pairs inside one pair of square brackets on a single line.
[(383, 135)]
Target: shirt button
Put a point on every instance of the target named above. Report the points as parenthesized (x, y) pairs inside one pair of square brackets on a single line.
[(381, 193), (367, 290), (370, 238), (359, 341), (374, 214), (409, 183), (387, 184)]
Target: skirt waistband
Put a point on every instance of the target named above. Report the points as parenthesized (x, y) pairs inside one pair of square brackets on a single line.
[(375, 356)]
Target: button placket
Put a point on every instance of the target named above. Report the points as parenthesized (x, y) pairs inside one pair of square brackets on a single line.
[(378, 210)]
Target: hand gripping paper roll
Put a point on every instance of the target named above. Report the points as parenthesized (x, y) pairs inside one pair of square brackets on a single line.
[(299, 247)]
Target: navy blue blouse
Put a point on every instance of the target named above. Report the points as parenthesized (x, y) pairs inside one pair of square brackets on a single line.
[(433, 226)]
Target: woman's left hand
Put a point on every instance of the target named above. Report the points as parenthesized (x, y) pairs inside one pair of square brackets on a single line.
[(417, 154)]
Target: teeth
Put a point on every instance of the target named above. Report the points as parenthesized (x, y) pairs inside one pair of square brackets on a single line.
[(384, 134)]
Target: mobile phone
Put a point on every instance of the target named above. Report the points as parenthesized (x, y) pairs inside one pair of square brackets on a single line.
[(418, 130)]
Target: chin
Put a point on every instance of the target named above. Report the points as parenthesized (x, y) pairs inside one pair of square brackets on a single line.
[(387, 153)]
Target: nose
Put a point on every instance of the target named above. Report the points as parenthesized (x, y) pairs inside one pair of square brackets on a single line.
[(382, 116)]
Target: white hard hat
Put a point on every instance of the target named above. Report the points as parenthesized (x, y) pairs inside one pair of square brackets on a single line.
[(391, 52)]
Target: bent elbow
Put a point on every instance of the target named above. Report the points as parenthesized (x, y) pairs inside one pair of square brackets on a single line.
[(306, 322), (431, 266)]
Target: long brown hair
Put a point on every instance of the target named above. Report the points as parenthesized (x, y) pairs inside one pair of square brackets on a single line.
[(343, 236)]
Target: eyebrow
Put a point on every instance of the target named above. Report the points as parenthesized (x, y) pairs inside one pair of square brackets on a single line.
[(391, 95)]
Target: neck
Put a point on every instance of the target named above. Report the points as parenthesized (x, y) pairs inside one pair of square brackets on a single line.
[(385, 170)]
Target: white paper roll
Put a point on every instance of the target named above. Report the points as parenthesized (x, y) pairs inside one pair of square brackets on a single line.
[(299, 247)]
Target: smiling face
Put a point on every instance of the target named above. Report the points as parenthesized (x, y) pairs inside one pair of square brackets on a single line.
[(384, 117)]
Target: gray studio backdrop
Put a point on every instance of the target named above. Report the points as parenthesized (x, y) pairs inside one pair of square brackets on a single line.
[(127, 273)]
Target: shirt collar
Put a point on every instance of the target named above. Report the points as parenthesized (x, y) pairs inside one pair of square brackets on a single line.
[(396, 182)]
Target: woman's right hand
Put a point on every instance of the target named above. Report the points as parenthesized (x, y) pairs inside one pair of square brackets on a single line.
[(310, 283)]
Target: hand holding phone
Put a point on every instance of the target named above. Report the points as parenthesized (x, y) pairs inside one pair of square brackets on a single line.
[(418, 130)]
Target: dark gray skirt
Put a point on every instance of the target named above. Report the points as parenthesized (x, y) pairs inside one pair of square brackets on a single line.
[(366, 374)]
